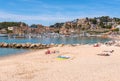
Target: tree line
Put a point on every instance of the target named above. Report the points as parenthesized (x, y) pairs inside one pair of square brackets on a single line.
[(10, 24)]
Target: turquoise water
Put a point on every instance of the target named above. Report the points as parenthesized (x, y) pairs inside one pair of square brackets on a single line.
[(56, 40), (9, 51)]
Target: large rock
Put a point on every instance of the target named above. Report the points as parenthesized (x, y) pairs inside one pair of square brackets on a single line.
[(23, 45), (18, 46), (1, 44), (37, 45), (28, 45), (56, 45), (43, 46), (12, 45), (60, 45), (47, 46), (52, 45), (32, 45), (40, 46), (5, 45)]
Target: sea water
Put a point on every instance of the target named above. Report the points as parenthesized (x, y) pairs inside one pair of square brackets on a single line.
[(47, 40), (9, 51)]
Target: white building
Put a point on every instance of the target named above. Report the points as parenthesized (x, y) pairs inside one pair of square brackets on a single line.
[(118, 26), (10, 28)]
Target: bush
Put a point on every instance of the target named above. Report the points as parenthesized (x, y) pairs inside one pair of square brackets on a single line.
[(116, 30)]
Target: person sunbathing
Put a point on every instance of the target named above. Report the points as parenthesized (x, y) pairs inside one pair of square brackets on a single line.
[(104, 54), (96, 45), (109, 51), (51, 52), (48, 52)]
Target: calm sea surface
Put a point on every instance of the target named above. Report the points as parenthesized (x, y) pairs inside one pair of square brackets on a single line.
[(46, 40)]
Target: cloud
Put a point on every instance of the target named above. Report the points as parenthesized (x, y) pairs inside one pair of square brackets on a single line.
[(48, 17), (8, 16), (39, 10)]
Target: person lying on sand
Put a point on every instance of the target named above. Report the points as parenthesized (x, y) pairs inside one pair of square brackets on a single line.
[(109, 51), (106, 53), (96, 45), (48, 52), (51, 52)]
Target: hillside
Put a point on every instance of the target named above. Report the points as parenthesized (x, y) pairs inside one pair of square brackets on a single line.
[(100, 24)]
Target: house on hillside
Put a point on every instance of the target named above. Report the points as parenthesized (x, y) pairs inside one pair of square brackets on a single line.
[(18, 30), (3, 31)]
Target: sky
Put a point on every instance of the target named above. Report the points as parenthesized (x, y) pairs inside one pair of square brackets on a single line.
[(48, 12)]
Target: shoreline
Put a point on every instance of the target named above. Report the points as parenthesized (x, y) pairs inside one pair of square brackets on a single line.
[(52, 46)]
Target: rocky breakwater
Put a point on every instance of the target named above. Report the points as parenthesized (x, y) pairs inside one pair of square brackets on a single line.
[(24, 45), (32, 46)]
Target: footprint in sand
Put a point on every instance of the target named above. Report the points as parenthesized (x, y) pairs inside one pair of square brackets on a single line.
[(25, 71)]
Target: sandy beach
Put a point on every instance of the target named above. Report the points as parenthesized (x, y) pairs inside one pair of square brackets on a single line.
[(83, 65)]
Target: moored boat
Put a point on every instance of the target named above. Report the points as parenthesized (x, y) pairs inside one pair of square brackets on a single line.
[(3, 35)]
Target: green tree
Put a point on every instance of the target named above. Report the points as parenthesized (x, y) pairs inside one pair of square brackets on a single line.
[(94, 21), (102, 25), (9, 24), (116, 30), (108, 26)]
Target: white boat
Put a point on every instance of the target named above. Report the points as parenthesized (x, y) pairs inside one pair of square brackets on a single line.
[(3, 35)]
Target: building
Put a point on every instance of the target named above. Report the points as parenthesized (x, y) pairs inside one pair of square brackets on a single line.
[(3, 31), (10, 28), (118, 26)]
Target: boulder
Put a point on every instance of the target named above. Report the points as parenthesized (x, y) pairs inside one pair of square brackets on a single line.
[(32, 46), (47, 46), (40, 46), (28, 45), (44, 46), (56, 45), (60, 45), (23, 45), (5, 45), (12, 45), (37, 45), (1, 44), (18, 46), (52, 45)]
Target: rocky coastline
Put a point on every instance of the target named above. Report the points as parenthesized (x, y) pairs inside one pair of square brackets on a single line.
[(28, 45)]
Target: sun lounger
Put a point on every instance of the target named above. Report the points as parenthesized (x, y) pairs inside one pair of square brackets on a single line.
[(111, 51)]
